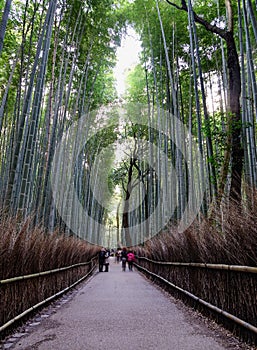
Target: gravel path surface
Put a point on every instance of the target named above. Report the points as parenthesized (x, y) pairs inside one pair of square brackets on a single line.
[(117, 310)]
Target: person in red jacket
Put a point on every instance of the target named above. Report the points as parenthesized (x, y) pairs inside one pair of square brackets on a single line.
[(131, 259)]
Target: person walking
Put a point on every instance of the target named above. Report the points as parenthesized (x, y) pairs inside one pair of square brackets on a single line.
[(118, 255), (131, 259), (101, 259), (124, 258)]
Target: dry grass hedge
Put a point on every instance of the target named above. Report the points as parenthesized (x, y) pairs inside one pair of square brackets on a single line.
[(231, 239), (26, 251)]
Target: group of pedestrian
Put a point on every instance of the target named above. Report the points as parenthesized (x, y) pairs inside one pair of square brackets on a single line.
[(127, 256), (124, 255)]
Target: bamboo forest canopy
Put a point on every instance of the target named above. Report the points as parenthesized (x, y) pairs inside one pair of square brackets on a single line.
[(179, 142)]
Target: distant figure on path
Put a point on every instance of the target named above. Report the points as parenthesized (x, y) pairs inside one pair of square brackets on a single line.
[(123, 258), (131, 259), (118, 255), (101, 259)]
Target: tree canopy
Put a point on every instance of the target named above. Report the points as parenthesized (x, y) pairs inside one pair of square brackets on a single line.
[(197, 69)]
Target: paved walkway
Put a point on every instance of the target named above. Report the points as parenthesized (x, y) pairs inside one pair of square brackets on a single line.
[(122, 311)]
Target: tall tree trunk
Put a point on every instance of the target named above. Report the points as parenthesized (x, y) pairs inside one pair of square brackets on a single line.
[(234, 116), (125, 213), (233, 144)]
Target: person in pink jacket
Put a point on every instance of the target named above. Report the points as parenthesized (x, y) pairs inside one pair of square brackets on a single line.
[(131, 259)]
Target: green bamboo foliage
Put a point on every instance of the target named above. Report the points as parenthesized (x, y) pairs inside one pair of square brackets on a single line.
[(59, 67), (4, 20), (56, 69), (249, 143), (211, 126)]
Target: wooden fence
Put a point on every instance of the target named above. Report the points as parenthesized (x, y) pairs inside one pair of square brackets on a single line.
[(226, 292), (24, 294)]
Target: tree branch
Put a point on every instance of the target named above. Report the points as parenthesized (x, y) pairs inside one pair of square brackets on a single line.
[(175, 5), (125, 165), (123, 186), (210, 27)]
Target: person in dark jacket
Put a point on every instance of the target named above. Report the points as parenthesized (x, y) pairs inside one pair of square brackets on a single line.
[(123, 258), (101, 259)]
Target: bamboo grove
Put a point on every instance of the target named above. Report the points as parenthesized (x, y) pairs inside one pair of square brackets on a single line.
[(193, 98), (56, 61)]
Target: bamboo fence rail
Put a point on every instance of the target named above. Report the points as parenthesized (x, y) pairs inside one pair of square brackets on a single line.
[(44, 273), (201, 301), (226, 293), (19, 293), (238, 268)]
